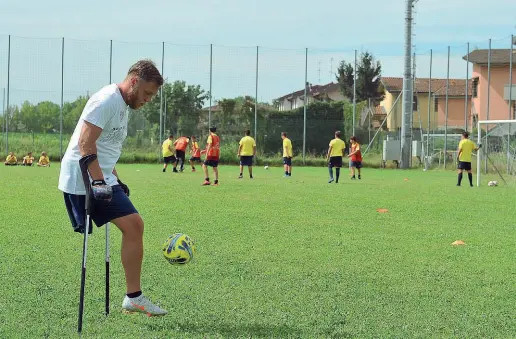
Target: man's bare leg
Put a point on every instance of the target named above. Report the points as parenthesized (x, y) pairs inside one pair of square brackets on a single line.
[(132, 249)]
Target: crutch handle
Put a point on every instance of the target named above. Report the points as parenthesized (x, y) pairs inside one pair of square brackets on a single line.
[(84, 163)]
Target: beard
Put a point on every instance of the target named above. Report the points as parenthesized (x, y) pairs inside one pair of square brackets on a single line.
[(132, 98)]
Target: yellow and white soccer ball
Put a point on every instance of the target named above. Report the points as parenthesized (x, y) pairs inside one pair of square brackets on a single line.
[(492, 183), (266, 167), (179, 249)]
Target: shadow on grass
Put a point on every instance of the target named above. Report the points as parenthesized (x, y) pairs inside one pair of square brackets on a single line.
[(247, 331)]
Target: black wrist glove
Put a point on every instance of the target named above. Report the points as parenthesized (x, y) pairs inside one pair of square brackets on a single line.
[(124, 187), (101, 191)]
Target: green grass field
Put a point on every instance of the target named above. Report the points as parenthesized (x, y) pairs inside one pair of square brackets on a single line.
[(276, 257)]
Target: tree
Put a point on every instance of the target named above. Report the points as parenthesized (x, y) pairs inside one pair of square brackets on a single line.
[(227, 107), (182, 104), (368, 84), (345, 78), (72, 112)]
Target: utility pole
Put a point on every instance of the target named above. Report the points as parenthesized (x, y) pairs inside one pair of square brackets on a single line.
[(406, 118)]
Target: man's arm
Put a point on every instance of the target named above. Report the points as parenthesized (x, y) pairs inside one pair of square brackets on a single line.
[(254, 150), (208, 148), (459, 152), (87, 145), (329, 152)]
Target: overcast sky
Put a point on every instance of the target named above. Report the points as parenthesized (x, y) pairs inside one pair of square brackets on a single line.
[(331, 30)]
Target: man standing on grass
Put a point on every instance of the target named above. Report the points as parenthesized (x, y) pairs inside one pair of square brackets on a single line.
[(101, 130), (356, 157), (466, 148), (334, 156), (246, 152), (180, 144), (212, 157), (167, 150), (287, 154)]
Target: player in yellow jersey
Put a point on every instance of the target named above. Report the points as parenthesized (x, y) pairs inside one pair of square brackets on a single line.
[(11, 160), (334, 156), (168, 152), (466, 148), (44, 161), (28, 160), (287, 154), (246, 152)]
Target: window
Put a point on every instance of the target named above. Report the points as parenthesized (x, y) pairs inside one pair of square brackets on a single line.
[(414, 103), (436, 105), (475, 87)]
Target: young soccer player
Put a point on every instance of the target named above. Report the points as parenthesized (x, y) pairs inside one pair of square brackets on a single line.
[(28, 160), (356, 157), (101, 130), (287, 154), (196, 153), (167, 149), (44, 161), (246, 152), (11, 160), (334, 156), (180, 144), (212, 157), (466, 148)]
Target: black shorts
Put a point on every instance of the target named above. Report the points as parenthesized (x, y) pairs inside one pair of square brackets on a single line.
[(335, 162), (169, 160), (211, 163), (465, 166), (196, 159), (287, 161), (101, 211), (246, 160), (180, 154), (356, 164)]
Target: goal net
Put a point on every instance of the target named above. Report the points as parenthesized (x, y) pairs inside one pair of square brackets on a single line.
[(496, 160)]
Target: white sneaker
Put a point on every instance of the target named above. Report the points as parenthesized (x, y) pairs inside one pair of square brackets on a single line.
[(142, 305)]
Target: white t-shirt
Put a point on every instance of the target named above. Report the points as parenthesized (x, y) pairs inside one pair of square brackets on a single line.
[(107, 110)]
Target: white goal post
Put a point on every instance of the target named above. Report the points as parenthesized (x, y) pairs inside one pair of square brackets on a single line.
[(497, 156)]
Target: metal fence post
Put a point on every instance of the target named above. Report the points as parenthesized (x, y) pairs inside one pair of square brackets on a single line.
[(211, 85), (429, 105), (8, 113), (488, 101), (62, 100), (304, 104), (446, 110), (354, 92), (161, 95), (256, 97)]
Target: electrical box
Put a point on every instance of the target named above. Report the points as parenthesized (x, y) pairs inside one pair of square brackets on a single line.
[(417, 148), (391, 150)]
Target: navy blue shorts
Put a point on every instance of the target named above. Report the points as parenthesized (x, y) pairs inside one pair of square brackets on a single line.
[(246, 160), (169, 160), (102, 212), (211, 163), (465, 166), (335, 162), (180, 155), (356, 164), (287, 161), (196, 159)]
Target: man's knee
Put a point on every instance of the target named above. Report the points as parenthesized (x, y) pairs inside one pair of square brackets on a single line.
[(130, 225)]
